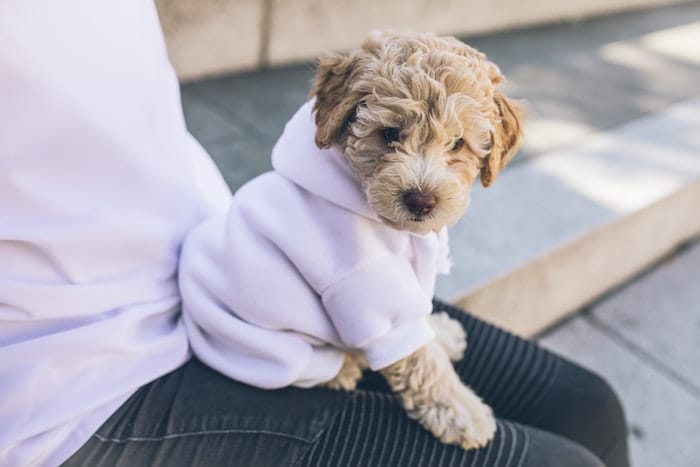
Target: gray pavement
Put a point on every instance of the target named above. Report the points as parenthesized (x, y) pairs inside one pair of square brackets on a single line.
[(577, 78), (645, 339)]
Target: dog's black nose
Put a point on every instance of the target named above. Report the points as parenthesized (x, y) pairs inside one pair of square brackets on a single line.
[(418, 202)]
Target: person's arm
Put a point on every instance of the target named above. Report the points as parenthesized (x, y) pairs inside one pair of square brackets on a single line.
[(99, 182)]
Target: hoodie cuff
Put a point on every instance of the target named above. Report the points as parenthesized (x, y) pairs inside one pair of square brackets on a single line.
[(380, 308), (324, 364), (398, 343)]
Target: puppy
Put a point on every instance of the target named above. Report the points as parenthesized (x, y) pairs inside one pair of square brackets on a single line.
[(419, 118), (326, 265)]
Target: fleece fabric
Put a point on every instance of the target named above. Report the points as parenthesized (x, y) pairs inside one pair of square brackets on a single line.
[(99, 183), (299, 268)]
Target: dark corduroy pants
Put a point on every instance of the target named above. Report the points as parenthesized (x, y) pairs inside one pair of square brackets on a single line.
[(551, 413)]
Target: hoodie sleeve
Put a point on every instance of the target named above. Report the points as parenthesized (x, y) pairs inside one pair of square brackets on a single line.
[(381, 309), (219, 291)]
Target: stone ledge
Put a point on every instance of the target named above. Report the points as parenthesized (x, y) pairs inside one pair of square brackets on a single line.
[(303, 29), (213, 37), (550, 288)]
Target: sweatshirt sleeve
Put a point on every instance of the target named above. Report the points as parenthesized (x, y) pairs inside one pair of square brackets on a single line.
[(213, 284), (381, 309)]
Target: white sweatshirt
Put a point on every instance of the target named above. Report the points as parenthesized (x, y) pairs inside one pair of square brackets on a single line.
[(299, 268), (99, 183)]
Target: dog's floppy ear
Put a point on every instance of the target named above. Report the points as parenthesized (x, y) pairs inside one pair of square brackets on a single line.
[(335, 101), (506, 136)]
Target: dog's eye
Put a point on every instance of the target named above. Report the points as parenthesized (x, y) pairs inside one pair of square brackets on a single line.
[(459, 142), (488, 146), (390, 135)]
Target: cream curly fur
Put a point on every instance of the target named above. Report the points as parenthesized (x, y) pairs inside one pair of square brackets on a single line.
[(434, 91), (433, 394), (350, 373), (449, 334), (449, 124)]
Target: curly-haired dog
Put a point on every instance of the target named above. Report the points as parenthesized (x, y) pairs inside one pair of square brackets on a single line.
[(327, 265)]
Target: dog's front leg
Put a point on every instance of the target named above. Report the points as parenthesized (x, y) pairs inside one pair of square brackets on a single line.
[(449, 334), (433, 394)]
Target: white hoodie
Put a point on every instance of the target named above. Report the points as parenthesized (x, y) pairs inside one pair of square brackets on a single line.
[(99, 183), (299, 268)]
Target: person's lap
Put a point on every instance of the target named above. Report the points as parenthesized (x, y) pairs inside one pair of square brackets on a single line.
[(195, 416)]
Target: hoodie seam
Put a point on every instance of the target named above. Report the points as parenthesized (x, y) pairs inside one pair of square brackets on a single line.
[(353, 271)]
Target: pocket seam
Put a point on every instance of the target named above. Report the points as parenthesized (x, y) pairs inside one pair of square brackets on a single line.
[(130, 439)]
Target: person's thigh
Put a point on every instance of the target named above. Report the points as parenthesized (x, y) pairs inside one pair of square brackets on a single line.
[(527, 384), (373, 430), (195, 416)]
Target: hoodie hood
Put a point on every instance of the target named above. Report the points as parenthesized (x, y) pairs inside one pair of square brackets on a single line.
[(323, 172), (326, 174)]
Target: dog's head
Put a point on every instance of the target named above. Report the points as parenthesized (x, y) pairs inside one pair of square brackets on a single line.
[(419, 118)]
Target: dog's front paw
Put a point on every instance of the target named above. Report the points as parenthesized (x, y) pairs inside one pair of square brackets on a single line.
[(450, 334), (350, 373), (461, 418), (432, 393)]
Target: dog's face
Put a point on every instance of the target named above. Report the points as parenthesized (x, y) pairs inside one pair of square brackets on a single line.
[(419, 118)]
